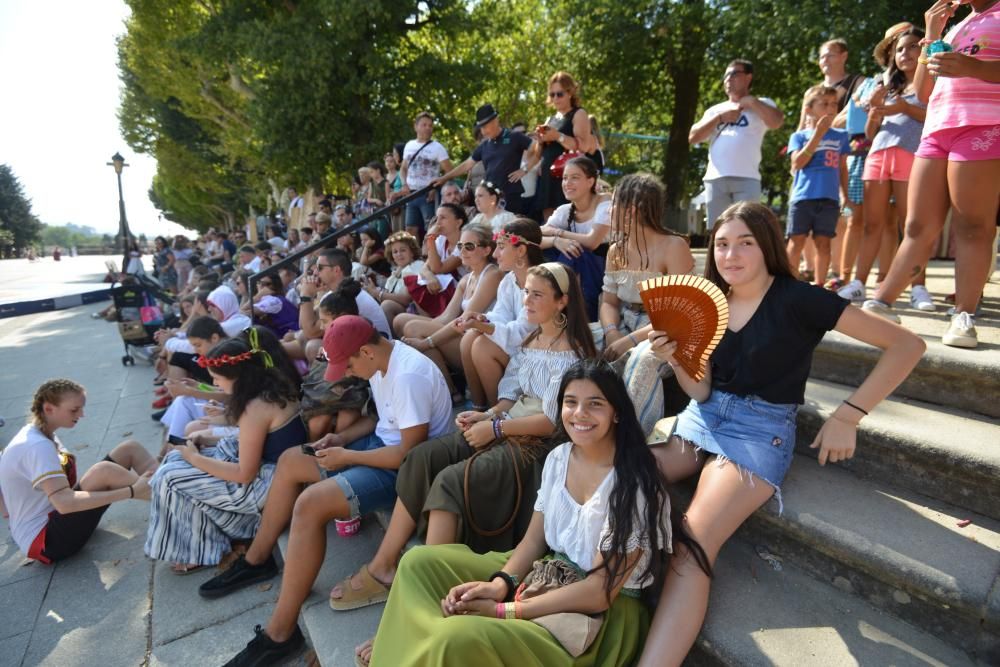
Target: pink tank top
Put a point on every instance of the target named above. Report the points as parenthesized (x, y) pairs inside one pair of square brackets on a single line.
[(965, 101)]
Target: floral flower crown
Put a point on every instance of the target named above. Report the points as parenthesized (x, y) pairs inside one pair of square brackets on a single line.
[(233, 359), (513, 239)]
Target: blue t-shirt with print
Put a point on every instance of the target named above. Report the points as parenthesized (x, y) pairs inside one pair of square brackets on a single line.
[(820, 178)]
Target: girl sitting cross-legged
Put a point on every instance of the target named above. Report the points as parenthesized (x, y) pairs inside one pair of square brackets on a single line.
[(570, 592)]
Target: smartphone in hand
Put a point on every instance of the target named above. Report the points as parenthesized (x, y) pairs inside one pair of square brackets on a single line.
[(176, 440), (308, 450)]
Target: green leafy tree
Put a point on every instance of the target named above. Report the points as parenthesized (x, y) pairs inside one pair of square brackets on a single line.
[(19, 226)]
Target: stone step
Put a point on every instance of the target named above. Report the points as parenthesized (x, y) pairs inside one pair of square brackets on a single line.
[(898, 550), (334, 634), (758, 616), (939, 452), (957, 378)]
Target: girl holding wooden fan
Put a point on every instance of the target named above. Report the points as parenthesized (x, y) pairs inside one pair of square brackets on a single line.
[(642, 248), (741, 419)]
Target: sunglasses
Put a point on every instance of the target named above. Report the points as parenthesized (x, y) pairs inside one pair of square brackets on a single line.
[(557, 93), (469, 247)]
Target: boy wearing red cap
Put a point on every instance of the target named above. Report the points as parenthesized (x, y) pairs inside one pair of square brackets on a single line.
[(353, 473)]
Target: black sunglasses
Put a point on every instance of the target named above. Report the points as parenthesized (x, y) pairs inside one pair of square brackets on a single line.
[(557, 93), (469, 247)]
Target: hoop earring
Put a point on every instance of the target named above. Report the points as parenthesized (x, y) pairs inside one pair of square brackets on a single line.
[(560, 320)]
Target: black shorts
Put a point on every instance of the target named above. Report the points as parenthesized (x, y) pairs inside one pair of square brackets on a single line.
[(65, 534), (188, 363)]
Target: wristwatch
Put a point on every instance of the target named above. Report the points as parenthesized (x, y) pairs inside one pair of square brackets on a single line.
[(305, 299)]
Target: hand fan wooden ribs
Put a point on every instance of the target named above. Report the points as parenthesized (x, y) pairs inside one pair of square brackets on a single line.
[(692, 311)]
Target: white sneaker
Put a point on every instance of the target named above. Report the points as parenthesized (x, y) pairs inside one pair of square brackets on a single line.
[(920, 299), (961, 332), (880, 309), (853, 291)]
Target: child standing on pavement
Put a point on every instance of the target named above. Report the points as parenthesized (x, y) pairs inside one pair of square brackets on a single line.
[(894, 124), (820, 178)]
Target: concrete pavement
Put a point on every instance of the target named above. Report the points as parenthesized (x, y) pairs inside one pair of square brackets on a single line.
[(109, 605)]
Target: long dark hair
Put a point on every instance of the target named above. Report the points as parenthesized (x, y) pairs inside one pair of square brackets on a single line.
[(251, 379), (343, 300), (528, 229), (457, 211), (639, 202), (766, 230), (577, 326), (897, 78), (269, 342), (636, 472), (589, 169)]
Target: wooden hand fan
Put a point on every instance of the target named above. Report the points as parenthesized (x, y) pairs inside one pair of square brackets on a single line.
[(692, 311)]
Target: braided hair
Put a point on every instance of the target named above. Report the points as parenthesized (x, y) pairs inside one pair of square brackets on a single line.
[(639, 204), (589, 169), (52, 392)]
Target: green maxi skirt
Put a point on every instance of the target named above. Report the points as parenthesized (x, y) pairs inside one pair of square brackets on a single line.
[(413, 631)]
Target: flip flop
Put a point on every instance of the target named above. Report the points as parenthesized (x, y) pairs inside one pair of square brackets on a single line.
[(358, 662), (372, 591), (184, 570)]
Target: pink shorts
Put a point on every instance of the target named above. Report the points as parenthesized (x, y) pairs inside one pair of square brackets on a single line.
[(962, 144), (891, 164)]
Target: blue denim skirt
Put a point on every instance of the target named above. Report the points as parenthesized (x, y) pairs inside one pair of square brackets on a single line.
[(758, 436)]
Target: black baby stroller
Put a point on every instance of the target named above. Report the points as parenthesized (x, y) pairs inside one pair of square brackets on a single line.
[(138, 313)]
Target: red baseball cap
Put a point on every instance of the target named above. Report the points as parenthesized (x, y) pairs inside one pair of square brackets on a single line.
[(342, 340)]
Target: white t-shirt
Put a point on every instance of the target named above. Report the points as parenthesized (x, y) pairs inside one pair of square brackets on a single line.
[(370, 309), (29, 459), (427, 165), (577, 530), (253, 265), (412, 392), (734, 148), (560, 218)]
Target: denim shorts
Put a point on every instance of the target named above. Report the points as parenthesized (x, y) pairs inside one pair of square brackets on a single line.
[(418, 212), (756, 435), (818, 216), (366, 489)]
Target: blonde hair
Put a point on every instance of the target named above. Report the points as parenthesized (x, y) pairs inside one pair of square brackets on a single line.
[(51, 391), (568, 83), (814, 93)]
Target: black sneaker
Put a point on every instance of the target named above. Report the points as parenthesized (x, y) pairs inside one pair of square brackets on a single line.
[(263, 651), (239, 575), (158, 415)]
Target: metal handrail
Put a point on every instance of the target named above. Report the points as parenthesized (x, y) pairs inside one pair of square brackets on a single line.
[(331, 239)]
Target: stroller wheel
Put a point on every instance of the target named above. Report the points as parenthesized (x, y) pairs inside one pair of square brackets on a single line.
[(127, 360)]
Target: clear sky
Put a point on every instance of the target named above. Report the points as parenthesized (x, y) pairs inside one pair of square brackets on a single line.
[(58, 114)]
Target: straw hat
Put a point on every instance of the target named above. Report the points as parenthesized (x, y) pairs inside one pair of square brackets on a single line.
[(881, 51)]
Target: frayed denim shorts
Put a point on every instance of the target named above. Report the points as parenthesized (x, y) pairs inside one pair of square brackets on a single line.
[(366, 489), (758, 436)]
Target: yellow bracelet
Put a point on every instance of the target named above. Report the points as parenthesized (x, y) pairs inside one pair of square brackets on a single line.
[(922, 60)]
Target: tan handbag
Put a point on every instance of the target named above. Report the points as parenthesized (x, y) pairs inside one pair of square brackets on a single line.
[(575, 631)]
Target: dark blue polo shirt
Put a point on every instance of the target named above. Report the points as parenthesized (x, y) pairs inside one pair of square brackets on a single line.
[(501, 156)]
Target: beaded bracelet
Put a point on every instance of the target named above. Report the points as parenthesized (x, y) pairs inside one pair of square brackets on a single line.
[(497, 431)]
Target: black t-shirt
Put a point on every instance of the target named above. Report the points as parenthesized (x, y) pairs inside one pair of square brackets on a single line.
[(501, 156), (771, 355)]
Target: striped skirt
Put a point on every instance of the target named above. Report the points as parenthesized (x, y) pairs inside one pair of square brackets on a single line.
[(194, 516)]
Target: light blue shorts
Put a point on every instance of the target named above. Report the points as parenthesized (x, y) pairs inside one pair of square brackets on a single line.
[(758, 436), (366, 489)]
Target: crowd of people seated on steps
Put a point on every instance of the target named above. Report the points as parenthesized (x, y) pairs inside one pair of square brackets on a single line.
[(494, 384)]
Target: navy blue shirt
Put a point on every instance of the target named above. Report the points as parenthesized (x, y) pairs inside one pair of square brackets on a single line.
[(501, 156)]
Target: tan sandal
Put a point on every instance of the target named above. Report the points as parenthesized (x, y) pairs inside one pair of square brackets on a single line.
[(372, 591)]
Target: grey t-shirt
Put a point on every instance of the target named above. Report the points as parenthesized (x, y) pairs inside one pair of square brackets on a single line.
[(900, 130)]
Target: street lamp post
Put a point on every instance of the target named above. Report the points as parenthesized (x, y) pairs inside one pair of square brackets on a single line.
[(118, 162)]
